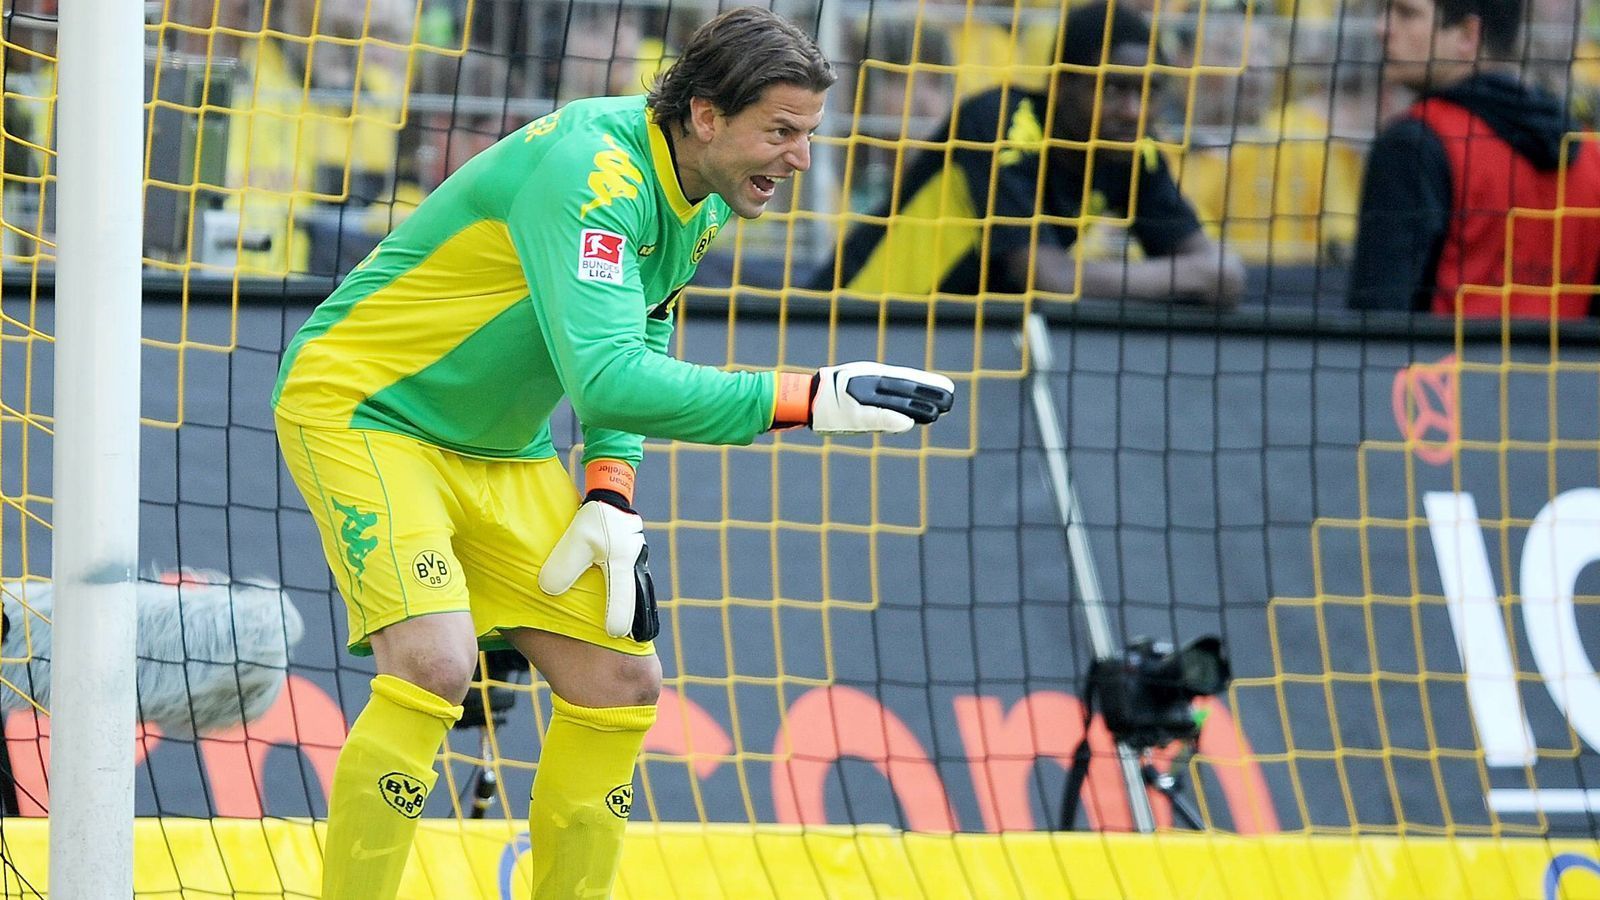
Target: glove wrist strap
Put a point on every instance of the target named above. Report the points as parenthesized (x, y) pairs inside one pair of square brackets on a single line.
[(795, 392), (610, 498), (611, 476)]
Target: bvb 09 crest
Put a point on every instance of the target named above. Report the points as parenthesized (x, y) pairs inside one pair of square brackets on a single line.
[(704, 243), (620, 800), (406, 794)]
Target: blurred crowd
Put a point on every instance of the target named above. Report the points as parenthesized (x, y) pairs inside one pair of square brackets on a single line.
[(1265, 113), (288, 137)]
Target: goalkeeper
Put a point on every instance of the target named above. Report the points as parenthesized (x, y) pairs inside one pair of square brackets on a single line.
[(412, 409)]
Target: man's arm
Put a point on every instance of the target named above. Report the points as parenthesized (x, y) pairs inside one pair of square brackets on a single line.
[(579, 253), (1181, 261), (609, 443), (1198, 269), (1405, 212)]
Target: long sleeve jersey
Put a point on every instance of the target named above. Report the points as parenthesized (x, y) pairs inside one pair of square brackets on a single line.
[(547, 266)]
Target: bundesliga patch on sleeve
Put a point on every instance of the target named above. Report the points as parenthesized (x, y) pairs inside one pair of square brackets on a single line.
[(600, 256)]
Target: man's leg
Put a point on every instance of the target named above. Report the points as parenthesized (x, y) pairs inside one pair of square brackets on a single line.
[(385, 770), (605, 701), (380, 501)]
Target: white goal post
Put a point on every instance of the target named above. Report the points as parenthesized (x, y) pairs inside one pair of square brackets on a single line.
[(95, 541)]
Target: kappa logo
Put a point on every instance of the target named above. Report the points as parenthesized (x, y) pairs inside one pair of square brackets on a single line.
[(600, 256), (541, 126), (620, 800), (615, 177), (352, 533), (404, 793)]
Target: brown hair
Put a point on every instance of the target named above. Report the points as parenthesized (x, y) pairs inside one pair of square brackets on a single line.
[(733, 58), (1500, 22)]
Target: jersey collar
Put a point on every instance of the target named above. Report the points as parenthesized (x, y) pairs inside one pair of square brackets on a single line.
[(666, 172)]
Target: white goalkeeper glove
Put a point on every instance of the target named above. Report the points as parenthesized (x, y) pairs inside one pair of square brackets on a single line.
[(862, 397), (606, 532)]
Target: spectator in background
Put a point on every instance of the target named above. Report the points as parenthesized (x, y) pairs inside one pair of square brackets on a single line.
[(897, 99), (1561, 55), (936, 231), (520, 60), (1271, 165), (1002, 42), (313, 124), (604, 54), (896, 87), (1442, 181), (447, 138), (26, 113)]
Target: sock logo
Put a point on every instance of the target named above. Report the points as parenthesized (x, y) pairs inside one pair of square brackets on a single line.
[(620, 800), (404, 793)]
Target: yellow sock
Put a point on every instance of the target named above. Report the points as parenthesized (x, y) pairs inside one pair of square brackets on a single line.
[(582, 794), (383, 777)]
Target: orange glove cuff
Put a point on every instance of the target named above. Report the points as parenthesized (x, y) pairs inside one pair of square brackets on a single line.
[(792, 407), (609, 475)]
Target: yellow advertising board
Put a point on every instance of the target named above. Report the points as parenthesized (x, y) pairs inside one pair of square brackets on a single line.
[(187, 859)]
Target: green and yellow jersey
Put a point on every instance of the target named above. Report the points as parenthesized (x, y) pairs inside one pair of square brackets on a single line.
[(547, 266)]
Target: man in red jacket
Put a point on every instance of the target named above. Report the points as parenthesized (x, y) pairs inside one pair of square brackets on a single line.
[(1442, 180)]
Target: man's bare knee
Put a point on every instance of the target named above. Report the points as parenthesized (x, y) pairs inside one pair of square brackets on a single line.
[(437, 653), (638, 681), (438, 673), (587, 674)]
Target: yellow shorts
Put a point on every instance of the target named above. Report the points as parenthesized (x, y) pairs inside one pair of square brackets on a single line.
[(410, 529)]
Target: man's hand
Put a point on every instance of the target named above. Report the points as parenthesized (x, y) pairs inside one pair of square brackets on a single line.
[(606, 532), (862, 397)]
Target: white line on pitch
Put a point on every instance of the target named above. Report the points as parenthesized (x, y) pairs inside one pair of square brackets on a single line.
[(1550, 800)]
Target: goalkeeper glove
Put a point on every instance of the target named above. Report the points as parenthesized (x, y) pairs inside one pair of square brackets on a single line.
[(862, 397), (607, 532)]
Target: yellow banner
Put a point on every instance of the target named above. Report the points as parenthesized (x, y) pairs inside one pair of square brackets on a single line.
[(187, 859)]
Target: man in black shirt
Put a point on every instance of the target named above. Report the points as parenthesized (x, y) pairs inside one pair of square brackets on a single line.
[(998, 209)]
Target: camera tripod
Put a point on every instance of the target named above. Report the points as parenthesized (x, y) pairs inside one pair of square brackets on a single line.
[(486, 708), (1169, 784)]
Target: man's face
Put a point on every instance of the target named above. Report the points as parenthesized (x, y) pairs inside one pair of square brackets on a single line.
[(748, 153), (1121, 100), (1416, 54)]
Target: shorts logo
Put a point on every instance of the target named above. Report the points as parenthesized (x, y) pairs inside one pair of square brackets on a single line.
[(404, 793), (352, 533), (620, 800), (431, 569), (600, 256)]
